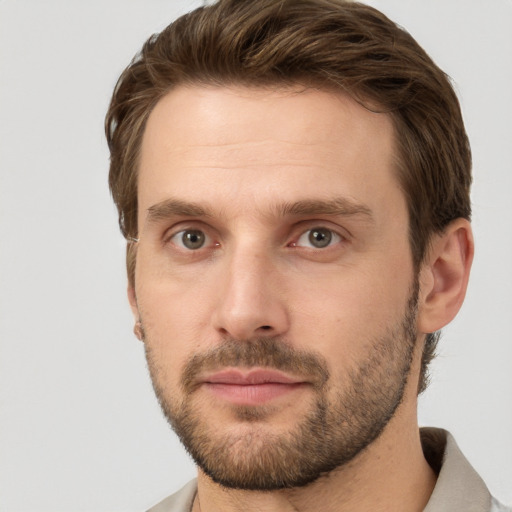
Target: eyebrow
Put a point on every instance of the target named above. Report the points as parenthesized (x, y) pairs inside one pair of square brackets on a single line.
[(339, 206), (333, 207), (175, 207)]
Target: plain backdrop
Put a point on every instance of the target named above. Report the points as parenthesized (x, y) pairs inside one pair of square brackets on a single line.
[(80, 429)]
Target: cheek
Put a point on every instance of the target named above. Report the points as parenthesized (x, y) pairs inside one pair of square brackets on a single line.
[(174, 318), (342, 316)]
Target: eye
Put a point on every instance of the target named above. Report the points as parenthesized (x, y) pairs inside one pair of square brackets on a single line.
[(191, 239), (318, 238)]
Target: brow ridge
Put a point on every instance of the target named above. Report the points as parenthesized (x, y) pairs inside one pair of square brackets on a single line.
[(339, 206)]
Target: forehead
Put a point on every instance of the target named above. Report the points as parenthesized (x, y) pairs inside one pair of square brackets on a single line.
[(231, 115), (263, 146)]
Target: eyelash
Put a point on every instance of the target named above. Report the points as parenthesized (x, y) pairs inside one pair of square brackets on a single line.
[(331, 235), (192, 232), (334, 237)]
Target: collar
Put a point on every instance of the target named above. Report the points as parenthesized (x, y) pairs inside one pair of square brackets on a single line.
[(458, 487)]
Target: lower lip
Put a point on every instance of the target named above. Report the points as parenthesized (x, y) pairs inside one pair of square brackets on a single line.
[(252, 394)]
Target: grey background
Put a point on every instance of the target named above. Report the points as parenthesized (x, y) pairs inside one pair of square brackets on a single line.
[(80, 429)]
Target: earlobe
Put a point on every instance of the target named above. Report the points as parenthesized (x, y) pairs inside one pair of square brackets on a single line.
[(444, 276)]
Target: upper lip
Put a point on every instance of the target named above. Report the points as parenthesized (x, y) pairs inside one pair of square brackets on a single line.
[(250, 377)]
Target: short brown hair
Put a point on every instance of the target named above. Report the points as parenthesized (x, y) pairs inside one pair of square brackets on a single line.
[(332, 44)]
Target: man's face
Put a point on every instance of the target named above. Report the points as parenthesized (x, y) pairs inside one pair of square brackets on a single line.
[(274, 279)]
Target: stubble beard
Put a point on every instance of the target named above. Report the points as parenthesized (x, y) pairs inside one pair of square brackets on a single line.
[(330, 435)]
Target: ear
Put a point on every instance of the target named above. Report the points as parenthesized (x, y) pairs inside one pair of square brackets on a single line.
[(131, 258), (132, 299), (444, 276), (138, 330)]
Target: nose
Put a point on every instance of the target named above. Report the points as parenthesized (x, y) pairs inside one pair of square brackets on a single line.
[(251, 297)]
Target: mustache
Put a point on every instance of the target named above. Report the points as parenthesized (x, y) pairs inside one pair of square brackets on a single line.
[(262, 352)]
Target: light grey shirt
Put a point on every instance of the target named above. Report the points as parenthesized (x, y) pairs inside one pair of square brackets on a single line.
[(458, 487)]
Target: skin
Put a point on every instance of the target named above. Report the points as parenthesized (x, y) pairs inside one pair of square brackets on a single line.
[(241, 154)]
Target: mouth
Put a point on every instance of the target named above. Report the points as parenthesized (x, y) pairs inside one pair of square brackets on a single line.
[(253, 387)]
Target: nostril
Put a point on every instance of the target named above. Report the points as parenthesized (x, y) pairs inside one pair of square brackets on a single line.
[(266, 327)]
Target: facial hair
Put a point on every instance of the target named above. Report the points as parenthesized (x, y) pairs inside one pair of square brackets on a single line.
[(339, 423)]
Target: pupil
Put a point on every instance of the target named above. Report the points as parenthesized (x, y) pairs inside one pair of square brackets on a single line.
[(320, 237), (193, 239)]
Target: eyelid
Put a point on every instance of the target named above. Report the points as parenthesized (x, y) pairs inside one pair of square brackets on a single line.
[(304, 226), (211, 234), (173, 228), (177, 240), (335, 239), (183, 226)]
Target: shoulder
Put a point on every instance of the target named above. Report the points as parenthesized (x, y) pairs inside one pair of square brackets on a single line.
[(180, 501)]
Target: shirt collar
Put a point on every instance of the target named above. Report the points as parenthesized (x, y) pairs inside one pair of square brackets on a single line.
[(458, 487)]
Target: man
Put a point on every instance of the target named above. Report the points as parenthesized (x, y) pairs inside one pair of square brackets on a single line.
[(292, 178)]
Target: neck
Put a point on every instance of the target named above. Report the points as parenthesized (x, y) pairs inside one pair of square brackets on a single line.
[(391, 474)]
